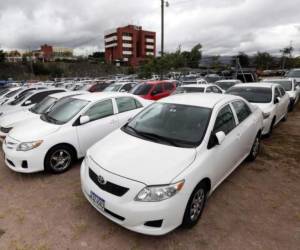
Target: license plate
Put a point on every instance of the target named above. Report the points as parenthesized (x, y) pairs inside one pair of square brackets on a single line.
[(99, 202)]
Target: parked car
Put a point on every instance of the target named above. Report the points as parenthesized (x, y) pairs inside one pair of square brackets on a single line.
[(11, 92), (53, 141), (120, 87), (270, 98), (290, 86), (294, 73), (9, 121), (198, 88), (154, 90), (155, 173), (99, 87), (27, 100), (19, 92), (226, 84)]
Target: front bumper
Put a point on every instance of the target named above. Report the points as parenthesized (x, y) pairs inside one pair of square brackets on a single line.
[(23, 162), (134, 214)]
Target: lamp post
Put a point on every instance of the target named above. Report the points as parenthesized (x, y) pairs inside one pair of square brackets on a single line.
[(163, 4)]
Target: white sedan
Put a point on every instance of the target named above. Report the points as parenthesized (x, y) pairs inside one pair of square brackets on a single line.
[(62, 135), (156, 172), (269, 97), (7, 122), (290, 86)]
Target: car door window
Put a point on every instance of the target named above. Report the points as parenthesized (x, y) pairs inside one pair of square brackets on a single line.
[(208, 90), (282, 91), (169, 86), (277, 93), (158, 89), (242, 110), (225, 121), (126, 87), (127, 103), (216, 90), (100, 110)]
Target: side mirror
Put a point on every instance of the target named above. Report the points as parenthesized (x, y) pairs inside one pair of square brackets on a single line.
[(27, 103), (84, 119), (220, 137), (276, 100), (216, 139)]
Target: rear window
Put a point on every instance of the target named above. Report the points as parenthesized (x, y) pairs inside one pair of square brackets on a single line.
[(252, 94), (141, 89)]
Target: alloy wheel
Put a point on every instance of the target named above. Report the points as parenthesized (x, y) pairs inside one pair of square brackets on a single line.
[(197, 204), (60, 160)]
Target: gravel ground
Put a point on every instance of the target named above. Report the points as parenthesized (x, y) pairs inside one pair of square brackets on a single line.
[(257, 207)]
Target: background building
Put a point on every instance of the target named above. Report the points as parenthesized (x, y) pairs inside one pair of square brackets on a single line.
[(129, 45)]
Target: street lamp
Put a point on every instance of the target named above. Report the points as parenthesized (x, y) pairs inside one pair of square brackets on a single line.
[(163, 4)]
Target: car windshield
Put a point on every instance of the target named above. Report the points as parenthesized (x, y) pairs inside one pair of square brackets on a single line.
[(225, 85), (293, 73), (141, 89), (21, 98), (172, 124), (12, 93), (3, 92), (252, 94), (64, 110), (113, 88), (180, 90), (287, 85), (43, 106)]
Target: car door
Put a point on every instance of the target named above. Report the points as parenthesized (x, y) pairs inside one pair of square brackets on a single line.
[(102, 121), (158, 92), (222, 158), (246, 123), (284, 102), (127, 107)]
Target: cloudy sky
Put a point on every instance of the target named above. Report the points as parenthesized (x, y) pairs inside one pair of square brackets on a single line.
[(222, 26)]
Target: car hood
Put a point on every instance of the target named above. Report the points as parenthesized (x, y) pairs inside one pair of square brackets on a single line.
[(31, 130), (264, 107), (140, 160), (15, 117)]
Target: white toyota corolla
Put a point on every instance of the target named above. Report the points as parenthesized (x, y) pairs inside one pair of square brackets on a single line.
[(54, 140), (271, 98), (155, 173), (7, 122)]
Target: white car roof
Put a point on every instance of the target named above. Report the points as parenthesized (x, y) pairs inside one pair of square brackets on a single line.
[(257, 85), (198, 85), (102, 95), (199, 99), (228, 80), (277, 79)]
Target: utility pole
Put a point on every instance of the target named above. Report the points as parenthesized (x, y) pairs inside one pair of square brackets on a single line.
[(163, 4)]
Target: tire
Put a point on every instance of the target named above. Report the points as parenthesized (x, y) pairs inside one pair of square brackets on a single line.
[(254, 149), (59, 159), (195, 207), (271, 127)]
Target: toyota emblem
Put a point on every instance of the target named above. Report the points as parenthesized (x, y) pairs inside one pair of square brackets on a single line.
[(101, 180)]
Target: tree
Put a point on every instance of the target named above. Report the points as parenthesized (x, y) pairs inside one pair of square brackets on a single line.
[(243, 58), (195, 56), (286, 58), (2, 56), (263, 60)]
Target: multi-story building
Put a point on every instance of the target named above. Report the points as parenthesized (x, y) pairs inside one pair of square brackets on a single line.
[(129, 45)]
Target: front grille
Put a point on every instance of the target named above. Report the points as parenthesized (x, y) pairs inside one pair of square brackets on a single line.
[(108, 186), (114, 215)]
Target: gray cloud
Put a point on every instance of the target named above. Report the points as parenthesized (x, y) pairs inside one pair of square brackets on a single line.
[(222, 26)]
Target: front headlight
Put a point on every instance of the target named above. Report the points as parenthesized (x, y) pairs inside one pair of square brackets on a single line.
[(266, 115), (26, 146), (5, 130), (159, 193)]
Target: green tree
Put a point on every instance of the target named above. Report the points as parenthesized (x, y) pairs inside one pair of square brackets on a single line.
[(195, 56), (2, 56), (263, 60)]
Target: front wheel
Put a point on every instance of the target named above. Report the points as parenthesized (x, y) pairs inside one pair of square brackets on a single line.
[(59, 159), (195, 206), (255, 149)]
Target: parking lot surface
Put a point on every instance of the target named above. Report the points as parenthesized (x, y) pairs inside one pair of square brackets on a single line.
[(257, 207)]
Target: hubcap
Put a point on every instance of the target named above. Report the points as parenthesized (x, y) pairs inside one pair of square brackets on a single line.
[(60, 160), (256, 147), (197, 204)]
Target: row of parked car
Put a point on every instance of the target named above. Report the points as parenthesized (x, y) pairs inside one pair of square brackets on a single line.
[(148, 165)]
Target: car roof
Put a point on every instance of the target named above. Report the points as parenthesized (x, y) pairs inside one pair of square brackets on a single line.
[(229, 80), (198, 85), (257, 85), (277, 79), (68, 93), (157, 82), (102, 95), (199, 99)]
